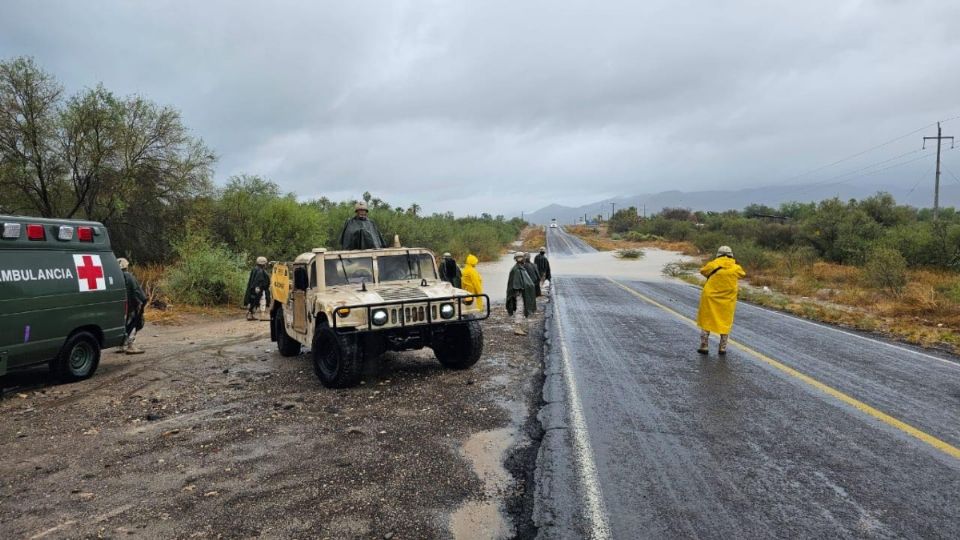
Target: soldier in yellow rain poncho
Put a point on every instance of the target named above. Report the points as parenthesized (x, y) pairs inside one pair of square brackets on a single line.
[(471, 280), (718, 300)]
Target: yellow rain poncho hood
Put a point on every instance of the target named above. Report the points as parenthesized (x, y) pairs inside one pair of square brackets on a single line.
[(471, 280), (719, 298)]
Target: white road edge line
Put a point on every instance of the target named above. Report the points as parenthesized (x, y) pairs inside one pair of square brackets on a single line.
[(587, 469), (851, 334)]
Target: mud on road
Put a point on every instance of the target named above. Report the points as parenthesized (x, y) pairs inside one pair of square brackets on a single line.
[(212, 433)]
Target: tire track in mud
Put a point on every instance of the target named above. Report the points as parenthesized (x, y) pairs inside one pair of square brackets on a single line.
[(126, 372)]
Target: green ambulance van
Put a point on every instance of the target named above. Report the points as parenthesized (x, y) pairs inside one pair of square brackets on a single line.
[(62, 297)]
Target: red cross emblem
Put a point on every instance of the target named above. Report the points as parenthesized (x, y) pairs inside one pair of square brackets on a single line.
[(89, 272)]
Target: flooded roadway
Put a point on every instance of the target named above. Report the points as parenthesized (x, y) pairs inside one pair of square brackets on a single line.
[(802, 430)]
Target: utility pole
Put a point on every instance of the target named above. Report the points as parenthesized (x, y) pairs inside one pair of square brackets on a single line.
[(936, 185), (613, 207)]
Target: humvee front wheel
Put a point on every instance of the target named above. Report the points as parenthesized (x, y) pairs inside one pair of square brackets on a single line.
[(287, 345), (336, 358), (78, 358), (461, 345)]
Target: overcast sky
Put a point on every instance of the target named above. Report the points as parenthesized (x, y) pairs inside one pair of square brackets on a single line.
[(502, 106)]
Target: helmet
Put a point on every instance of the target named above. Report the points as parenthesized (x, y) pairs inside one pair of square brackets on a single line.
[(447, 255), (261, 261), (724, 251), (124, 264), (519, 255), (542, 249), (361, 205)]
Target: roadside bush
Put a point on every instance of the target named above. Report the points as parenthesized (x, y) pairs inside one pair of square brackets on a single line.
[(630, 253), (885, 268), (796, 258), (637, 236), (752, 257), (206, 274), (709, 241)]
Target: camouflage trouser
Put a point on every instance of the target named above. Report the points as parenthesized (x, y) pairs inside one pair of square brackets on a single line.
[(705, 339)]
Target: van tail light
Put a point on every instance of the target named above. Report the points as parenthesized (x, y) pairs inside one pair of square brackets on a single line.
[(65, 233), (11, 231), (36, 232), (85, 234)]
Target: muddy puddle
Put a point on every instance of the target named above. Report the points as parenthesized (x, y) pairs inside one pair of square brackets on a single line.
[(486, 451)]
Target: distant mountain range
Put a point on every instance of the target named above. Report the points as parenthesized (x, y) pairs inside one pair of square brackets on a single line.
[(918, 196)]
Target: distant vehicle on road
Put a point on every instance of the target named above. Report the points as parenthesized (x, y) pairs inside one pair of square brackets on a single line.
[(352, 306), (553, 223), (62, 296)]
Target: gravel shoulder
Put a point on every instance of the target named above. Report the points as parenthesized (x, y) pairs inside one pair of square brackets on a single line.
[(212, 433)]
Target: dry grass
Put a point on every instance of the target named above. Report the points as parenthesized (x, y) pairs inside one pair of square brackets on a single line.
[(599, 239), (532, 238), (925, 313), (159, 309)]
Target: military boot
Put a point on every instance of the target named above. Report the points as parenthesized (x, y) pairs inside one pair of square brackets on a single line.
[(722, 350), (130, 348), (704, 343)]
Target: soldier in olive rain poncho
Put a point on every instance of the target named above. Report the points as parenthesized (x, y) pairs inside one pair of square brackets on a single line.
[(449, 271), (136, 302), (533, 273), (520, 284), (359, 232), (543, 264), (258, 284)]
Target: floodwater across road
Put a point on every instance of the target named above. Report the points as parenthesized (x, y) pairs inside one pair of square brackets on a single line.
[(801, 430)]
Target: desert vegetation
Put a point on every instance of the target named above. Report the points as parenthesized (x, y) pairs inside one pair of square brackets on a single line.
[(133, 165), (869, 264)]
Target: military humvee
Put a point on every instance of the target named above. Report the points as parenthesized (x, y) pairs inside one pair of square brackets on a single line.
[(351, 306)]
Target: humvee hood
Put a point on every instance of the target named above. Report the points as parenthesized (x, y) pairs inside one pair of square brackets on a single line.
[(410, 291)]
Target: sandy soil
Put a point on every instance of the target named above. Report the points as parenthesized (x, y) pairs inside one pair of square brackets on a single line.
[(213, 434)]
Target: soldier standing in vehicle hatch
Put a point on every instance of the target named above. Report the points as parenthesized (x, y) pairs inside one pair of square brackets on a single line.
[(359, 232), (136, 303)]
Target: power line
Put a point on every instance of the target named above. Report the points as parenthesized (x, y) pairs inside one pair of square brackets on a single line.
[(829, 181), (957, 180), (866, 151), (862, 152), (919, 178)]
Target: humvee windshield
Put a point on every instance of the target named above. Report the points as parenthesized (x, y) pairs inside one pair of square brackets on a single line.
[(402, 267), (339, 271)]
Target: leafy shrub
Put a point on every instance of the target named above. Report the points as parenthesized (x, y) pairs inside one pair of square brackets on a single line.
[(206, 273), (752, 257), (637, 236), (630, 253), (796, 258), (709, 241), (885, 268), (679, 268)]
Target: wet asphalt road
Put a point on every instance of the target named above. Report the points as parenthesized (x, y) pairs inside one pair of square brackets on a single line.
[(666, 443)]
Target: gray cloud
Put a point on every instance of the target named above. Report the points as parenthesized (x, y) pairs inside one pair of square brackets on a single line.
[(502, 106)]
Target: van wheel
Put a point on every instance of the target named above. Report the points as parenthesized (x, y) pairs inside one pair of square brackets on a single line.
[(461, 345), (78, 359), (336, 359), (287, 345)]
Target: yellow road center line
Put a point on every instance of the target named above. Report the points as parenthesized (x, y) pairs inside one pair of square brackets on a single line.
[(943, 446)]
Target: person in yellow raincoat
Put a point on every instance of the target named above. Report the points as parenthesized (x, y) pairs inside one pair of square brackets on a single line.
[(718, 300), (471, 281)]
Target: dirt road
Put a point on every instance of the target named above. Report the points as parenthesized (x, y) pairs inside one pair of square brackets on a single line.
[(213, 434)]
